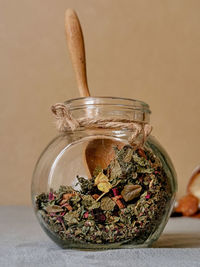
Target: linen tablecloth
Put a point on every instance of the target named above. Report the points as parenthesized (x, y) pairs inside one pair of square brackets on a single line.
[(23, 243)]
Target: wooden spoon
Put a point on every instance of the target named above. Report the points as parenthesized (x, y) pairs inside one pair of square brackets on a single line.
[(77, 50), (98, 152)]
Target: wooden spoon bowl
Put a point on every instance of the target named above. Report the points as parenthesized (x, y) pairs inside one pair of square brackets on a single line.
[(100, 152)]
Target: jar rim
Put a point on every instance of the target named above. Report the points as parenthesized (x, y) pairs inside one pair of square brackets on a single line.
[(83, 102)]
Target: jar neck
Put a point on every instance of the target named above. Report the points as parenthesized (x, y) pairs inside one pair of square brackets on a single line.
[(109, 109)]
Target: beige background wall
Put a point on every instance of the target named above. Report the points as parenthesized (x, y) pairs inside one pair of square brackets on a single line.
[(148, 50)]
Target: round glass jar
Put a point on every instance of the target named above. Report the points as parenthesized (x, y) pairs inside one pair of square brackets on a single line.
[(104, 182)]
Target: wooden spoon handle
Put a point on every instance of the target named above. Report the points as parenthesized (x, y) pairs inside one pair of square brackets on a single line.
[(77, 50)]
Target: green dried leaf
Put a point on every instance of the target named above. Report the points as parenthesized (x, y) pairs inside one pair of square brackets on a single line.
[(140, 160), (107, 203), (130, 192), (85, 184), (144, 170), (115, 170), (71, 217), (66, 189), (78, 232), (90, 203), (53, 208), (41, 200), (128, 155), (75, 199)]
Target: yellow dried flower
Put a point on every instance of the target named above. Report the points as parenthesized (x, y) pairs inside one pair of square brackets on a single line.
[(101, 181)]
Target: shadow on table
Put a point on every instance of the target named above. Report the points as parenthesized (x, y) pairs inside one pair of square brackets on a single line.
[(184, 240)]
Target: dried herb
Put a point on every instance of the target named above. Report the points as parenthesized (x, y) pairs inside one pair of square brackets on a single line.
[(128, 155), (53, 208), (115, 170), (123, 202), (89, 202), (107, 203), (102, 182), (131, 191)]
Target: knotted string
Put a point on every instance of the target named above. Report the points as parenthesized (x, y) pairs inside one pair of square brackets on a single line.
[(65, 122)]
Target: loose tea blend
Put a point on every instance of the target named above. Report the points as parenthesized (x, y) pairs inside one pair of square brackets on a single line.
[(121, 203), (129, 196)]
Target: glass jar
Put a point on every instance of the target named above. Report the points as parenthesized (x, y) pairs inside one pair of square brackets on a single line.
[(104, 182)]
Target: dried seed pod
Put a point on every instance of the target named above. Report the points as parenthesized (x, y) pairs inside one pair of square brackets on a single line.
[(130, 192), (187, 205), (194, 183)]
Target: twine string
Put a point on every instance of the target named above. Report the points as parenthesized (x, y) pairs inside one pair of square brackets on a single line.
[(65, 122)]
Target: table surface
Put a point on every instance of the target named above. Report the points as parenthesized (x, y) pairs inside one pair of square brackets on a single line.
[(23, 243)]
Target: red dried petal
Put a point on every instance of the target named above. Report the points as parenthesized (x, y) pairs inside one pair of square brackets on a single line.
[(115, 191), (85, 215)]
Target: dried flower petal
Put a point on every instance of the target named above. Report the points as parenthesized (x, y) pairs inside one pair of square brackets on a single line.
[(115, 191), (85, 215), (102, 183), (148, 196), (51, 196), (95, 196), (118, 201), (104, 187), (60, 219), (100, 178)]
